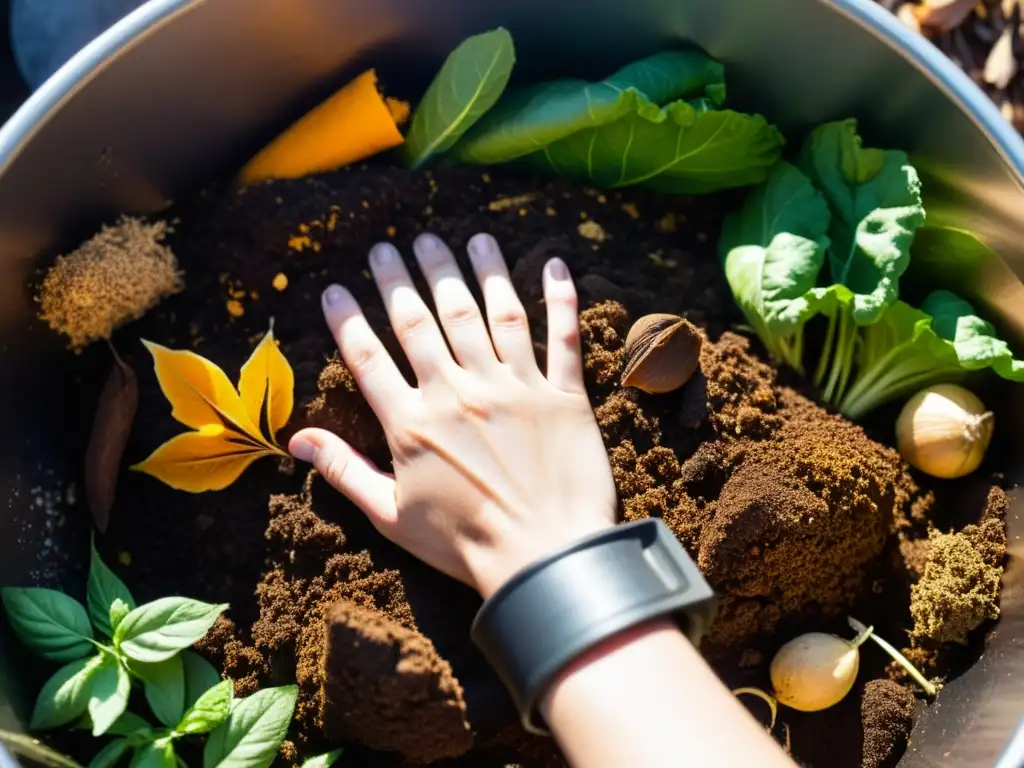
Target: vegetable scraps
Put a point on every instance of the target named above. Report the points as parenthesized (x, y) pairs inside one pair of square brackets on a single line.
[(856, 210), (657, 123), (232, 428), (146, 646), (353, 124)]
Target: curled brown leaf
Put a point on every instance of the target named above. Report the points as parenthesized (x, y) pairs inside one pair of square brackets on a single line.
[(115, 411)]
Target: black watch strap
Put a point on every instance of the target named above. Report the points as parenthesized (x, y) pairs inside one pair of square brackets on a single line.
[(554, 610)]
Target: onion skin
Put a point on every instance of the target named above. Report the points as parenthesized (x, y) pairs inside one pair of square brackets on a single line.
[(944, 431), (814, 671)]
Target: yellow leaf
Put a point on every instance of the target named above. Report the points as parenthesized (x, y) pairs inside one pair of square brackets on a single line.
[(351, 125), (266, 385), (209, 459), (199, 392)]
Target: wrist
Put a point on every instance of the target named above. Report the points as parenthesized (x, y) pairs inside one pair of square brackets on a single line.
[(491, 567)]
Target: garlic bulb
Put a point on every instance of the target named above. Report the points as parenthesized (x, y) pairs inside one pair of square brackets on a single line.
[(944, 431), (815, 671)]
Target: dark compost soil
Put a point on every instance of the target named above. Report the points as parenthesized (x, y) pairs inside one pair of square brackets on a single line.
[(795, 515)]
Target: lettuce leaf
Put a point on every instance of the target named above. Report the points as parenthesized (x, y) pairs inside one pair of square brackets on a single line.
[(654, 123), (908, 349), (773, 249), (875, 198)]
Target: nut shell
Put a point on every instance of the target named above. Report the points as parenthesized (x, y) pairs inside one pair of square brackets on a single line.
[(662, 353)]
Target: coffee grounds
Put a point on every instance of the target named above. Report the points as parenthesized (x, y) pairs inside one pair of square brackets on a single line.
[(796, 516), (887, 711)]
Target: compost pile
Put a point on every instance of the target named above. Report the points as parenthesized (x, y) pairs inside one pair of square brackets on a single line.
[(795, 515)]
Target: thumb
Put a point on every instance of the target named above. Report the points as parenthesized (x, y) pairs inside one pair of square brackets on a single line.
[(348, 471)]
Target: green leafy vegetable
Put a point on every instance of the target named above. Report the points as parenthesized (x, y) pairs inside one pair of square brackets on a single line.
[(118, 610), (127, 724), (875, 197), (157, 754), (210, 711), (472, 79), (65, 696), (909, 349), (773, 249), (200, 676), (164, 685), (103, 590), (326, 760), (653, 123), (110, 754), (158, 630), (109, 687), (253, 732), (50, 623)]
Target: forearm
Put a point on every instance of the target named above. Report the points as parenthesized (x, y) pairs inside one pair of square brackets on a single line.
[(647, 699)]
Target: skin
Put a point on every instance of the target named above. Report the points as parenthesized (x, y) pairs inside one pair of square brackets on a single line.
[(497, 464)]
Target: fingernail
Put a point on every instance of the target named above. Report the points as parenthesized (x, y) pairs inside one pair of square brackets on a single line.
[(481, 245), (332, 295), (303, 449), (429, 242), (382, 253), (558, 270)]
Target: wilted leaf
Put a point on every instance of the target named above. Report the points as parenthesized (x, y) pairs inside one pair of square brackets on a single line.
[(115, 411), (267, 385), (229, 426)]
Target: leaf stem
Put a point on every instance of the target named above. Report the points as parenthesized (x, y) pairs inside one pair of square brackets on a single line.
[(826, 350), (902, 660)]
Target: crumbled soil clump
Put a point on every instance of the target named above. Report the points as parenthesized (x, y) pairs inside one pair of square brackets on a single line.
[(796, 516), (887, 710)]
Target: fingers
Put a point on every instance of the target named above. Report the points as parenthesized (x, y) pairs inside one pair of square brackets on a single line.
[(565, 357), (414, 326), (505, 314), (460, 316), (379, 379), (349, 472)]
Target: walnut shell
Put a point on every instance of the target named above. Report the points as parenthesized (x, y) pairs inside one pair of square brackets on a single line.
[(662, 353)]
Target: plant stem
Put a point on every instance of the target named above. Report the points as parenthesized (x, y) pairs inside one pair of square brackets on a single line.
[(826, 350), (768, 699), (902, 660)]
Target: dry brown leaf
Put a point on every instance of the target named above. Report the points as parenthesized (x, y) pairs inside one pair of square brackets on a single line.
[(229, 425), (115, 412), (942, 15)]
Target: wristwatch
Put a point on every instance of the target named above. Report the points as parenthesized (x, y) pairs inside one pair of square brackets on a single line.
[(556, 609)]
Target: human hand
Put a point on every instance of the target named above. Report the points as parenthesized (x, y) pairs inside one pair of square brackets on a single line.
[(495, 464)]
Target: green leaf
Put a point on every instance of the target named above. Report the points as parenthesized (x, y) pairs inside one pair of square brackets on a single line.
[(774, 248), (212, 709), (104, 589), (875, 197), (326, 760), (110, 754), (674, 149), (127, 724), (50, 623), (974, 340), (200, 676), (898, 355), (23, 745), (157, 754), (469, 83), (65, 696), (164, 685), (254, 731), (158, 630), (529, 118), (108, 693), (118, 610)]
